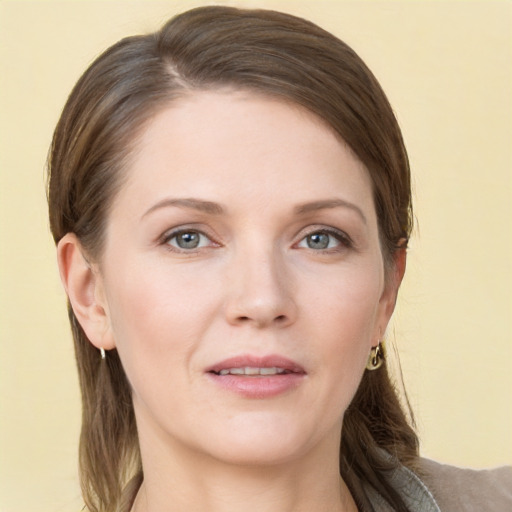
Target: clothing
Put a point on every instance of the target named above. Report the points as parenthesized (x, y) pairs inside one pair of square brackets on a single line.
[(456, 489), (443, 488)]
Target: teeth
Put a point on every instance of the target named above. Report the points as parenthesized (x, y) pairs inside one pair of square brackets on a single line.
[(249, 370)]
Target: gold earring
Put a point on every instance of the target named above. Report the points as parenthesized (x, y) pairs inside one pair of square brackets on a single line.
[(102, 352), (376, 358)]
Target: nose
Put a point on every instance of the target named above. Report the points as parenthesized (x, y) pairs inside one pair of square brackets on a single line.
[(260, 291)]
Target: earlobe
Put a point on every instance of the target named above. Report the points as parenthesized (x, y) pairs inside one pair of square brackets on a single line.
[(84, 289)]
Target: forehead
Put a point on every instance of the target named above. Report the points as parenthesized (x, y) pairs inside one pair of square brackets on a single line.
[(223, 141)]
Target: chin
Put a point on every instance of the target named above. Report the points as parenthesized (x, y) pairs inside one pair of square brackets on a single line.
[(261, 453), (263, 441)]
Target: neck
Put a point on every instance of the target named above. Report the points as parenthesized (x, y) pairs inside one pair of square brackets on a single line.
[(180, 480), (242, 488)]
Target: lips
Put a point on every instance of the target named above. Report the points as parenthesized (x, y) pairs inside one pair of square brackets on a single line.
[(257, 377), (252, 371), (256, 366)]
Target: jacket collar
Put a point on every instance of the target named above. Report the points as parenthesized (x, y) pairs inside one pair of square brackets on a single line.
[(407, 484)]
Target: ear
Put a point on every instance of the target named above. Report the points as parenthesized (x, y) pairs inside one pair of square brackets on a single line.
[(84, 288), (390, 293)]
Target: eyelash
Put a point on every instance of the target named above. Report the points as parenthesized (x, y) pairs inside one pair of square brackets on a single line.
[(170, 235), (342, 238), (345, 242)]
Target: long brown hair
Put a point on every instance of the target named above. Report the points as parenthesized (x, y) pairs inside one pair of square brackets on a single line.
[(273, 54)]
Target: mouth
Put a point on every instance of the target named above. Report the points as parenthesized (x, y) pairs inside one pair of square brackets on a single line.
[(257, 377), (251, 371), (253, 366)]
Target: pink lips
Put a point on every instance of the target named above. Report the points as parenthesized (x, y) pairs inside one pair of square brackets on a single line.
[(257, 377)]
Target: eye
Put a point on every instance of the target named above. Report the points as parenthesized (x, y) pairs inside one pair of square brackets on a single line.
[(188, 239), (324, 239)]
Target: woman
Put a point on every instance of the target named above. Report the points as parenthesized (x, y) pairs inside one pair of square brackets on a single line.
[(231, 202)]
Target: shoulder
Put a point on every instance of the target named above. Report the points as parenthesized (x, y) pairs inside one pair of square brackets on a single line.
[(457, 489)]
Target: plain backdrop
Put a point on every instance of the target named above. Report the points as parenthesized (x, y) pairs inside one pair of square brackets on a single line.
[(446, 67)]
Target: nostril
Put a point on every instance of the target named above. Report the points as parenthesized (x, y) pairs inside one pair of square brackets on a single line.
[(281, 319)]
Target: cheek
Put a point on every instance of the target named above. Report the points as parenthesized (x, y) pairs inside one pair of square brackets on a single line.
[(348, 303), (345, 323), (152, 293), (157, 317)]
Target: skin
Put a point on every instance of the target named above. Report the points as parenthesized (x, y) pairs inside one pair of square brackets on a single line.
[(256, 284)]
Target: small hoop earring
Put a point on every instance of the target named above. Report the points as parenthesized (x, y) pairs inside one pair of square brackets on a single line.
[(376, 358), (102, 353)]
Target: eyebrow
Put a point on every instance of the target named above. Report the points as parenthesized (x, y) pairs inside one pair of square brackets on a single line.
[(329, 203), (216, 209), (189, 202)]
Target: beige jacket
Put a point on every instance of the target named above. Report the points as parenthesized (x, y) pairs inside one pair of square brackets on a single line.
[(444, 488), (468, 490)]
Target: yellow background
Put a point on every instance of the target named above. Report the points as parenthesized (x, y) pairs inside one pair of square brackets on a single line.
[(446, 67)]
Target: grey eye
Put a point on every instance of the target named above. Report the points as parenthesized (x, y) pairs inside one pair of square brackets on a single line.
[(318, 240), (324, 239), (189, 240)]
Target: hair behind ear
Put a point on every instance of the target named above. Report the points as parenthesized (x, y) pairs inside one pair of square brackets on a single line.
[(108, 439), (377, 436)]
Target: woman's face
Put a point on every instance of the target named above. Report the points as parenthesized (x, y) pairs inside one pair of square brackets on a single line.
[(242, 279)]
